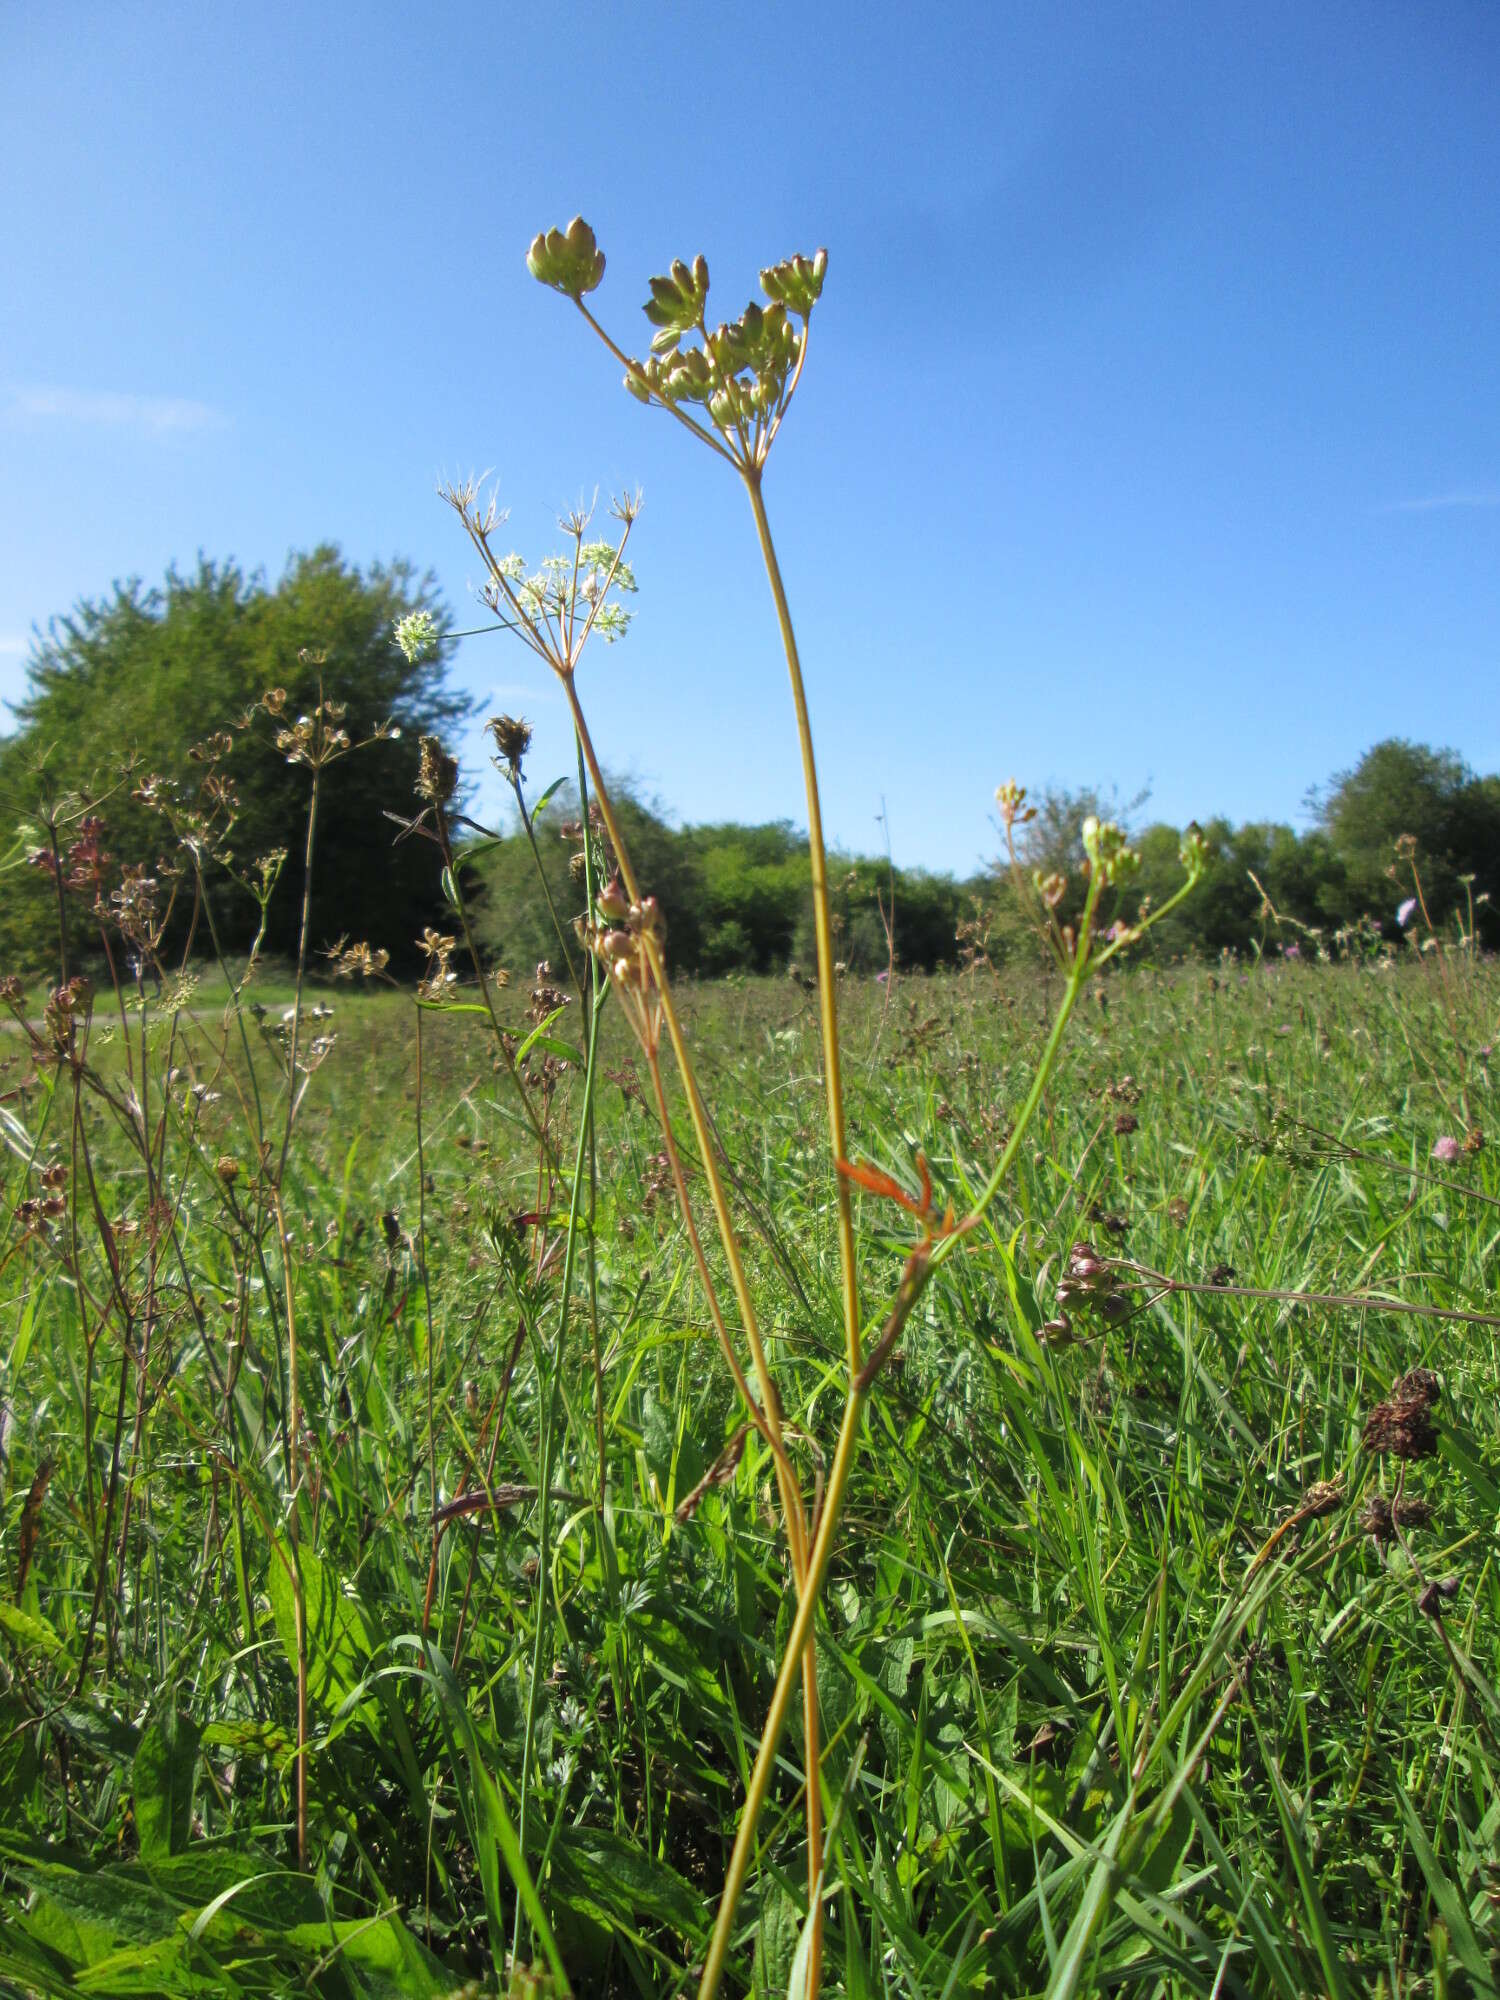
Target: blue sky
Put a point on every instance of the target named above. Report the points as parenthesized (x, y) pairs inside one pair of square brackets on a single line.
[(1150, 432)]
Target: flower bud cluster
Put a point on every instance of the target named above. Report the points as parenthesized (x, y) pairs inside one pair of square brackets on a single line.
[(1111, 857), (66, 1006), (1089, 1285), (622, 936), (1011, 799), (1192, 851)]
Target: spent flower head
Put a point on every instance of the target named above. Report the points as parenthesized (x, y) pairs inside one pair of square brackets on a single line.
[(512, 737)]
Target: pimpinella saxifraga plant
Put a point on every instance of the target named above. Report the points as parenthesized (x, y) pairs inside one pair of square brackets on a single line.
[(729, 384)]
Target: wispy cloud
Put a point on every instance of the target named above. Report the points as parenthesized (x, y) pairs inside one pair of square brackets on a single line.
[(12, 647), (108, 409), (1440, 503)]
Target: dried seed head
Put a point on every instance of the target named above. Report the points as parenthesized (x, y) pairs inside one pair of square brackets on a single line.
[(437, 773), (512, 740), (1401, 1430), (1417, 1385), (1381, 1517), (227, 1167), (1320, 1498), (1435, 1594)]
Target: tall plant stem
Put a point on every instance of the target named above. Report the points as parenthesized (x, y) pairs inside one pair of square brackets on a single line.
[(828, 1016), (549, 1425), (293, 1398), (427, 1308), (786, 1480), (828, 1009), (791, 1497), (696, 1113), (833, 1506), (591, 991)]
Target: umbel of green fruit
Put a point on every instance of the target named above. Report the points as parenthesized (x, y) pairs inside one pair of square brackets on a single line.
[(569, 260)]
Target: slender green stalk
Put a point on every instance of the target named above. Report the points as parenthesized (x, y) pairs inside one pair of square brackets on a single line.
[(833, 1502), (591, 991), (828, 1008), (544, 1476), (541, 873), (293, 1408)]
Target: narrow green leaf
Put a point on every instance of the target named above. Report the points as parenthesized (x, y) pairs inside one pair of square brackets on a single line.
[(162, 1776)]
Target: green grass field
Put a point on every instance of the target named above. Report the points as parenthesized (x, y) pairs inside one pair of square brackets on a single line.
[(1128, 1680)]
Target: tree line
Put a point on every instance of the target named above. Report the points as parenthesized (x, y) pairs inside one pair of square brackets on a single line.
[(145, 722)]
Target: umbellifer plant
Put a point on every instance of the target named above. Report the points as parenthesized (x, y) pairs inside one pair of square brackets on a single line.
[(730, 386)]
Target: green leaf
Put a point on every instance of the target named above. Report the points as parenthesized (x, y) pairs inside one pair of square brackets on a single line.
[(546, 799), (392, 1965), (28, 1632), (621, 1877), (551, 1045), (18, 1759), (98, 1729), (165, 1766), (339, 1640), (796, 1985), (777, 1937)]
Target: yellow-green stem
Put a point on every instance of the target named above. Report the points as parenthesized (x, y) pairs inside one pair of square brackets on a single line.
[(696, 1113), (806, 1653), (833, 1503), (786, 1479), (823, 925)]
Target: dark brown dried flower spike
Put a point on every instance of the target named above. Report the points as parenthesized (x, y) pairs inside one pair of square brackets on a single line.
[(1417, 1385), (1382, 1517), (1403, 1426), (437, 775), (512, 739)]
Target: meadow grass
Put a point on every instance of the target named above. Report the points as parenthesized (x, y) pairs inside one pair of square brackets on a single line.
[(1123, 1682)]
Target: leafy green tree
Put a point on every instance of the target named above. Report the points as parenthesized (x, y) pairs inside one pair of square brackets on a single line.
[(157, 684), (1398, 789)]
